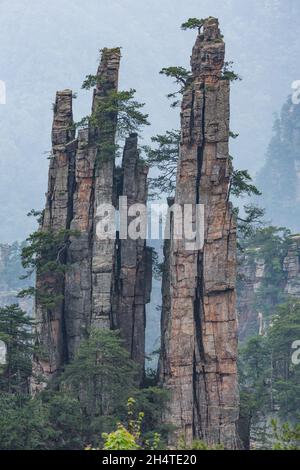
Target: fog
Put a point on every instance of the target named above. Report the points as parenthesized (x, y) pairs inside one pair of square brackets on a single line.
[(48, 46)]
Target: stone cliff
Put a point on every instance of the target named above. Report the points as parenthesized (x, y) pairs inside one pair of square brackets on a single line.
[(199, 327), (254, 281), (106, 283)]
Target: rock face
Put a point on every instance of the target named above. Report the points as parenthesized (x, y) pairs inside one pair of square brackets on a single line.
[(57, 215), (106, 282), (252, 273), (291, 266), (282, 167), (199, 337)]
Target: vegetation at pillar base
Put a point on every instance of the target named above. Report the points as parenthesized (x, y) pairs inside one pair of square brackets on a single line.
[(269, 380), (16, 333), (94, 373)]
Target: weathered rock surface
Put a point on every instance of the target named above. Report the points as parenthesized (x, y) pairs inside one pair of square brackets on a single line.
[(252, 274), (81, 178), (199, 342), (50, 322)]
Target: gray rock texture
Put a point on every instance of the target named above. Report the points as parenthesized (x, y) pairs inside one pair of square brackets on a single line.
[(107, 282)]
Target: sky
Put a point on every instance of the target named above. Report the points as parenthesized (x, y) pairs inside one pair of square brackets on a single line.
[(48, 46)]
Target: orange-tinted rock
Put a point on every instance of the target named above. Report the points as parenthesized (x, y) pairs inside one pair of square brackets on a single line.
[(199, 337)]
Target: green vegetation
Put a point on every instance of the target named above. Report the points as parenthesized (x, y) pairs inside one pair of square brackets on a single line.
[(269, 380), (270, 246), (129, 436), (287, 437), (193, 23), (15, 331), (87, 400), (164, 157), (115, 116), (12, 270), (229, 74)]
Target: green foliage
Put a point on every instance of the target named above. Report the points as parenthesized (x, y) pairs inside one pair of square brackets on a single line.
[(193, 23), (241, 184), (198, 445), (102, 374), (278, 178), (269, 380), (16, 332), (180, 74), (181, 77), (87, 400), (286, 437), (45, 253), (115, 112), (229, 74), (270, 245), (164, 158), (129, 436), (11, 271), (254, 368)]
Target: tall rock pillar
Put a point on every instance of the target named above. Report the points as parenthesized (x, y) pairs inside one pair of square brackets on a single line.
[(103, 251), (199, 340), (57, 215), (134, 260)]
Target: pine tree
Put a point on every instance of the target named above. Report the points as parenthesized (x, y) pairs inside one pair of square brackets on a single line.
[(16, 332)]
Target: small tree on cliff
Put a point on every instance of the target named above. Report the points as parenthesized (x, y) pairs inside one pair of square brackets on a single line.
[(193, 23), (164, 157)]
